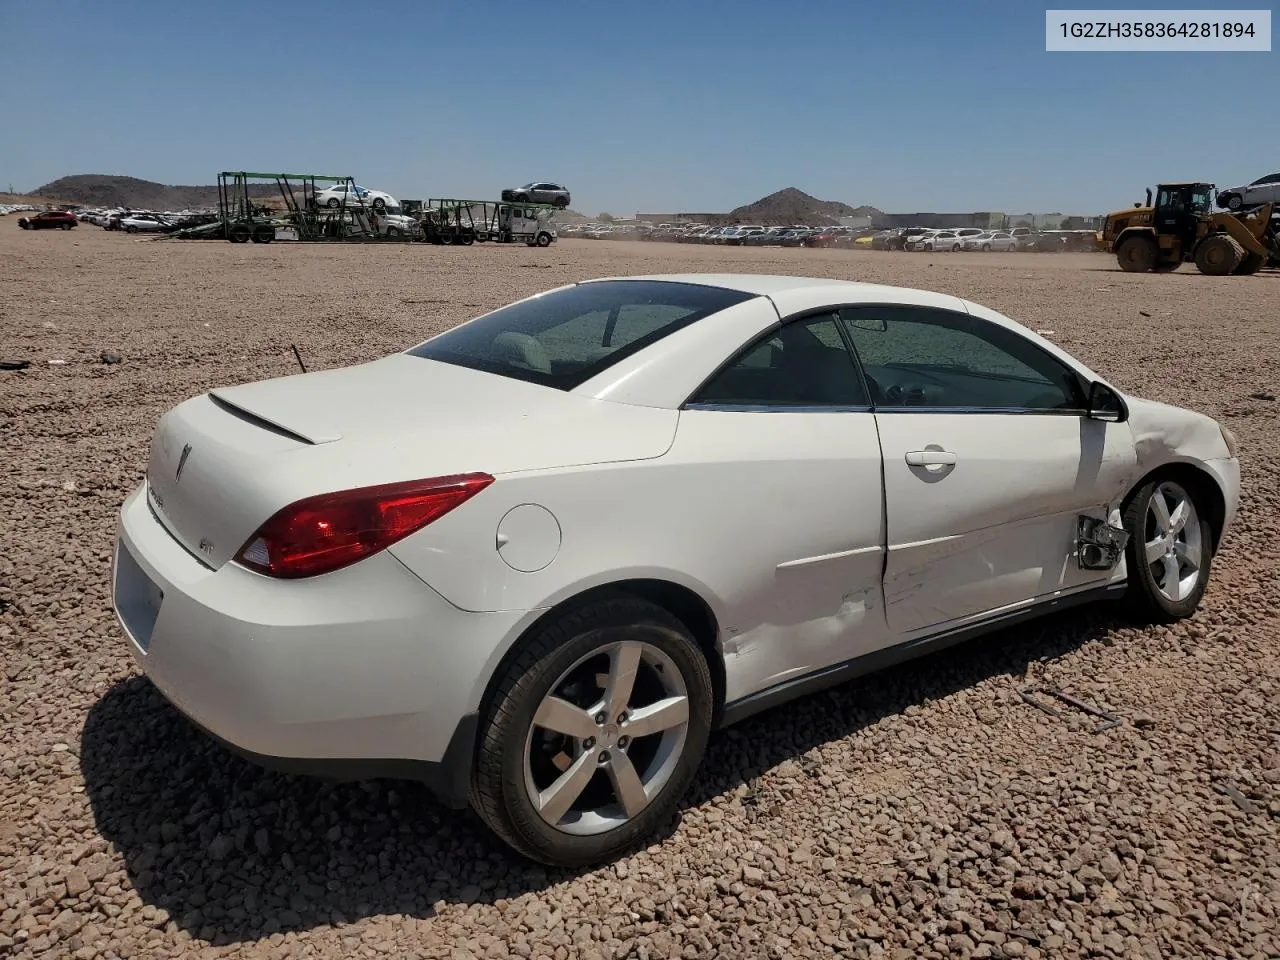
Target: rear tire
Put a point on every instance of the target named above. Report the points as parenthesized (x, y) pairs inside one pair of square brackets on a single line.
[(239, 233), (544, 240), (1174, 592), (1137, 254), (1218, 255), (615, 654)]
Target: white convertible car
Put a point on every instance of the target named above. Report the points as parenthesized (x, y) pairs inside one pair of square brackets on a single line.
[(535, 560)]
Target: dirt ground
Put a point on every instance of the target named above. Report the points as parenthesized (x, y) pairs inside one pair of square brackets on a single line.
[(927, 812)]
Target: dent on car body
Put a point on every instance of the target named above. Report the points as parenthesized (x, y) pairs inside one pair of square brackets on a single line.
[(773, 652), (1163, 433)]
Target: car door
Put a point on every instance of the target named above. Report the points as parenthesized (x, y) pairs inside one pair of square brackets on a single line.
[(989, 460), (784, 435)]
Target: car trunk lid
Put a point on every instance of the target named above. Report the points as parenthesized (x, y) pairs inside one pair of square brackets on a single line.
[(221, 464)]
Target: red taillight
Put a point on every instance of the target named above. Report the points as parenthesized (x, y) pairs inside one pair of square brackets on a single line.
[(332, 530)]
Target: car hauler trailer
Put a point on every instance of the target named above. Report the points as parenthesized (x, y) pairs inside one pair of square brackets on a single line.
[(451, 221), (246, 212)]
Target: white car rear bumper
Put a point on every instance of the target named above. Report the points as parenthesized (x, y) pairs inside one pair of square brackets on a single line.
[(365, 671)]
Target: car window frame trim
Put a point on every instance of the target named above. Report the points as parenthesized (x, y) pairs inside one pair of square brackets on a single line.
[(763, 337), (1080, 380), (834, 310)]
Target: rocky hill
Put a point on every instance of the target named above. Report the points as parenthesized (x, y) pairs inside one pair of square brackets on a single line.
[(102, 190), (795, 206)]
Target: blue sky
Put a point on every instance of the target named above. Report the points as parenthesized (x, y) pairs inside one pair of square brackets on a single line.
[(656, 106)]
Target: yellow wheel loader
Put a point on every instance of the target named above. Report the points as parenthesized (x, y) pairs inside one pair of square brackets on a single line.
[(1182, 227)]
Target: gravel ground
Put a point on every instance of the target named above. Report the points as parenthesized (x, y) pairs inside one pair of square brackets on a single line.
[(925, 813)]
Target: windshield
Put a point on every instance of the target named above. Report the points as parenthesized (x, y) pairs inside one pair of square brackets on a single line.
[(1201, 199), (563, 338)]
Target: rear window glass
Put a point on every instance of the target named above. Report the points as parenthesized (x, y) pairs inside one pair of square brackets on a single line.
[(564, 338)]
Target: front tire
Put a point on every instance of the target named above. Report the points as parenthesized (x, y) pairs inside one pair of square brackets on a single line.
[(593, 733), (1218, 255), (1170, 550)]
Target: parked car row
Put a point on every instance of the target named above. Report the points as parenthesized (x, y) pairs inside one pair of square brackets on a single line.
[(920, 239), (145, 221)]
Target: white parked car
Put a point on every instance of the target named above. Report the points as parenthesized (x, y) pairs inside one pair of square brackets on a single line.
[(144, 223), (942, 241), (1263, 190), (991, 240), (339, 194), (533, 560), (916, 238)]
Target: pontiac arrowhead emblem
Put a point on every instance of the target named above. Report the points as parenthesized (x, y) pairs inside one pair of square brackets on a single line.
[(182, 461)]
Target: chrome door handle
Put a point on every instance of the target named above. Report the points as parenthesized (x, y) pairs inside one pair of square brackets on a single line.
[(930, 458)]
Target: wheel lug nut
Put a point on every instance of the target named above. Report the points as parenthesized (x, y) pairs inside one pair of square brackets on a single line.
[(589, 743), (622, 742), (601, 718), (622, 717), (604, 756)]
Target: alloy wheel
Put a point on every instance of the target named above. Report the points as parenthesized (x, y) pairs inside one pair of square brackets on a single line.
[(606, 738), (1173, 545)]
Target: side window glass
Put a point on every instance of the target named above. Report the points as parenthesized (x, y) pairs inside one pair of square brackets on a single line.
[(921, 357), (805, 364)]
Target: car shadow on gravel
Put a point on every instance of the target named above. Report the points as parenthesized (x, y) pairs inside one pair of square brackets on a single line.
[(235, 853)]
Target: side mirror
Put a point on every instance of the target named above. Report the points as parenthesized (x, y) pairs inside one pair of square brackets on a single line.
[(1106, 404)]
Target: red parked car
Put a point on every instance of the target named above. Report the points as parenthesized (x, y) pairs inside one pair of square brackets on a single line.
[(48, 220)]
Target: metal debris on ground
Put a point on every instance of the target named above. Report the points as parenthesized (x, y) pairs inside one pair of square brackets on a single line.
[(107, 357), (1262, 395), (1027, 693), (14, 364), (1247, 806)]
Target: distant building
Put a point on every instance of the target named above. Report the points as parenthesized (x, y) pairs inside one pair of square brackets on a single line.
[(986, 220), (680, 217)]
